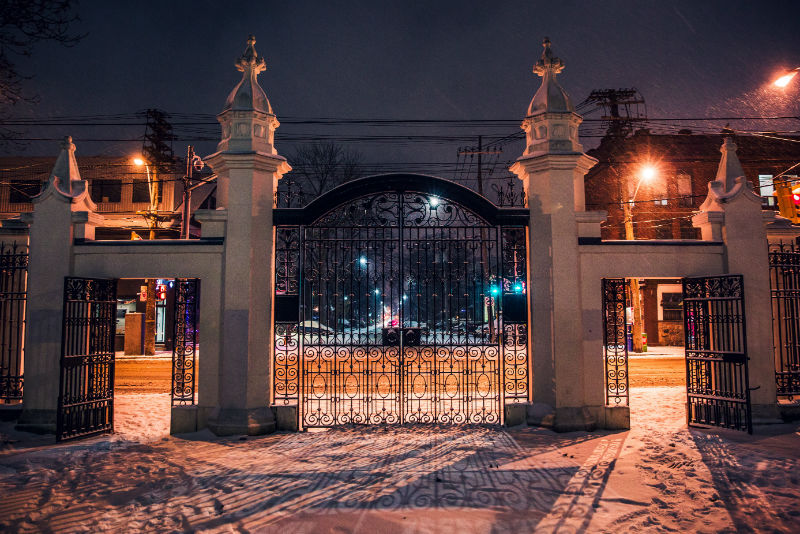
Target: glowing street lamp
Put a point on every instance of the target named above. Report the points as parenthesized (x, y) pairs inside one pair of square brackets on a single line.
[(784, 80), (646, 174), (152, 182)]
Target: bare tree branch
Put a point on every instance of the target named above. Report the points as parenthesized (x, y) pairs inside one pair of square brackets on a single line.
[(23, 24), (320, 167)]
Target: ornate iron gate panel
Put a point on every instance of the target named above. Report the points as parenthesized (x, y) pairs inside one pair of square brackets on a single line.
[(717, 381), (784, 264), (452, 366), (13, 295), (184, 351), (86, 391), (394, 302), (615, 340)]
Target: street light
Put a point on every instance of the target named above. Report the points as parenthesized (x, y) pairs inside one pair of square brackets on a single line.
[(784, 80), (647, 173), (151, 214)]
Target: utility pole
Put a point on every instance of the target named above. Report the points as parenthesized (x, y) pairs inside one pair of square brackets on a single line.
[(480, 151), (636, 302), (187, 193), (156, 151)]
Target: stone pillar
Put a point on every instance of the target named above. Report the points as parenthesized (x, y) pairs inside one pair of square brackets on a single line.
[(552, 171), (63, 201), (732, 211), (248, 169)]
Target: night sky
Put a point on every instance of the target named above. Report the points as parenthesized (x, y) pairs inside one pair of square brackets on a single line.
[(407, 60)]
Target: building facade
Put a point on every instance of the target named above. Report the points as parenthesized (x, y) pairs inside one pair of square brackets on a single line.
[(684, 164)]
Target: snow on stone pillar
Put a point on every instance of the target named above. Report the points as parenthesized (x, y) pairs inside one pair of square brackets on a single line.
[(552, 170), (62, 212), (732, 213), (248, 169)]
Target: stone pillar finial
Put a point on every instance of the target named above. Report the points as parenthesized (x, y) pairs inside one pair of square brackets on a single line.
[(730, 168), (551, 124), (250, 60), (548, 62)]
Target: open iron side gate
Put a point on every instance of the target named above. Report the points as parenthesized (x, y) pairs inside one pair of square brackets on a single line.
[(86, 391), (717, 380)]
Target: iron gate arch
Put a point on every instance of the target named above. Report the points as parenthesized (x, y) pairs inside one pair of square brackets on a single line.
[(390, 301)]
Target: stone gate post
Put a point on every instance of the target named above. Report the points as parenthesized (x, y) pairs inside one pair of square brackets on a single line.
[(552, 171), (248, 169), (62, 212), (732, 213)]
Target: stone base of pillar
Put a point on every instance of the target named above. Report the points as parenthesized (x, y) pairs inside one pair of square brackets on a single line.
[(766, 414), (516, 413), (561, 419), (183, 419), (286, 417), (37, 421), (234, 421), (615, 418)]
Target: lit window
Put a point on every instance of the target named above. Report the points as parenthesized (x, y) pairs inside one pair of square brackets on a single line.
[(767, 189)]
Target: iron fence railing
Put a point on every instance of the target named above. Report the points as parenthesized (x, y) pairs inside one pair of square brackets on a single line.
[(13, 296)]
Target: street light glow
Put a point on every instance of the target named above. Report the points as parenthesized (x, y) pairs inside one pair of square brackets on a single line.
[(363, 261), (648, 173), (138, 162), (434, 202), (784, 80)]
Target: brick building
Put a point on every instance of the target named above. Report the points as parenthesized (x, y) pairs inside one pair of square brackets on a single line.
[(116, 185), (685, 164)]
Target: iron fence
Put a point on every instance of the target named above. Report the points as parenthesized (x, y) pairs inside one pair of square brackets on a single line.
[(784, 270), (13, 296)]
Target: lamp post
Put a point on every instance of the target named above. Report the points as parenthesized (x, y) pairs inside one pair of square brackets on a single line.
[(647, 173), (151, 214)]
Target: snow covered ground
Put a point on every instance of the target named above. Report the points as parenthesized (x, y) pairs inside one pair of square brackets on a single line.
[(659, 477)]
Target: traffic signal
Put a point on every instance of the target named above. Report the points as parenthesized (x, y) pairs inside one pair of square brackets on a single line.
[(788, 200), (161, 292)]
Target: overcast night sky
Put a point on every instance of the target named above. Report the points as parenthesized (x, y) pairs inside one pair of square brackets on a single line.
[(406, 60)]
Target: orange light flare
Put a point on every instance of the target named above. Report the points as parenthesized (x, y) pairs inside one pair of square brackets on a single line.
[(784, 80), (648, 173)]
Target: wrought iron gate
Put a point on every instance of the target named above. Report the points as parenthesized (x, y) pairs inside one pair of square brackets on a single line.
[(394, 302), (13, 294), (86, 390), (717, 381), (184, 350), (615, 340), (784, 263)]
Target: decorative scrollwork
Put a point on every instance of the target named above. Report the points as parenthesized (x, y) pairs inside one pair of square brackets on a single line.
[(400, 209), (184, 354), (13, 295), (400, 297), (615, 343), (784, 261)]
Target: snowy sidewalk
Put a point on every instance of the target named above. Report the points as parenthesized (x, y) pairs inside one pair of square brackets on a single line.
[(660, 476)]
